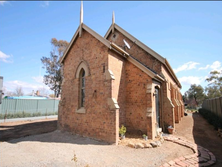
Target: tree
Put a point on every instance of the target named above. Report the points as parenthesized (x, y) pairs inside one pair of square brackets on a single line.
[(43, 91), (214, 88), (196, 94), (18, 91), (185, 97), (53, 77)]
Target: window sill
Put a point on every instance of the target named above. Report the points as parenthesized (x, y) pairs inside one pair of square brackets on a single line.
[(81, 110)]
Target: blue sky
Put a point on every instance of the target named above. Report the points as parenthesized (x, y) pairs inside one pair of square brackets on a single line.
[(188, 34)]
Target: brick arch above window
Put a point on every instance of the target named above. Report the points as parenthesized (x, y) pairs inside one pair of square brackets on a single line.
[(83, 65)]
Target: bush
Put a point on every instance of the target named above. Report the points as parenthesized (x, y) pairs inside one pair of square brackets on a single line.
[(212, 118), (122, 130)]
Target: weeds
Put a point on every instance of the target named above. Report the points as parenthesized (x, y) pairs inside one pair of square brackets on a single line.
[(25, 114), (74, 158)]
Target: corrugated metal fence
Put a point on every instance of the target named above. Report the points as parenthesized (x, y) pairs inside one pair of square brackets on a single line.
[(213, 105), (13, 106)]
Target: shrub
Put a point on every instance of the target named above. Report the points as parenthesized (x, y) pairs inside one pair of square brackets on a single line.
[(122, 130), (212, 118)]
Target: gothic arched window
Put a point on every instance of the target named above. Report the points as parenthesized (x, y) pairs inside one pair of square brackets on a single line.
[(82, 88)]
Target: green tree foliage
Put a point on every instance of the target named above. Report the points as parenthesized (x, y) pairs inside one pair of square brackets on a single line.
[(53, 77), (214, 88), (195, 94)]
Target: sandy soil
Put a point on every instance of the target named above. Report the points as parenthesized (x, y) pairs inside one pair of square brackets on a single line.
[(196, 129), (57, 149)]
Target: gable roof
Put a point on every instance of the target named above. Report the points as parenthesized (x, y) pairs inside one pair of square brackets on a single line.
[(112, 46), (78, 31), (144, 47)]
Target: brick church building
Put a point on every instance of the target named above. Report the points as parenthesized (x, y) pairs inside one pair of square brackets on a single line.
[(116, 80)]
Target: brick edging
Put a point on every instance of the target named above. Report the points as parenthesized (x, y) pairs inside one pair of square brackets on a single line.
[(201, 157)]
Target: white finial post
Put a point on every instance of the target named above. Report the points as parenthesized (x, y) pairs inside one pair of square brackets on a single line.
[(81, 13), (113, 22), (81, 19), (113, 19)]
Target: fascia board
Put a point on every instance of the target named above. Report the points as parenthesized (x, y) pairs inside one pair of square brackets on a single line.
[(140, 44), (70, 44), (141, 67), (109, 30), (119, 49), (97, 36), (172, 72)]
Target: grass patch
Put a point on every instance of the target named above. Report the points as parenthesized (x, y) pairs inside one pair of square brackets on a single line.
[(25, 114)]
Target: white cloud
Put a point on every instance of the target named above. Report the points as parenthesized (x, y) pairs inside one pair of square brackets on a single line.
[(191, 80), (38, 79), (5, 58), (26, 87), (204, 68), (2, 3), (45, 4), (215, 66), (187, 66)]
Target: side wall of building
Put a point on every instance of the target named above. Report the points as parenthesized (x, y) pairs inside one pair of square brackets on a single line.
[(116, 63), (173, 106), (137, 100)]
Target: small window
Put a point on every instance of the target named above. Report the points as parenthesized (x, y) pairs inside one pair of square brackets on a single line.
[(104, 68), (82, 88)]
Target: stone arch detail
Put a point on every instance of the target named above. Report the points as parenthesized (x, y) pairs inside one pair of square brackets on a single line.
[(83, 65)]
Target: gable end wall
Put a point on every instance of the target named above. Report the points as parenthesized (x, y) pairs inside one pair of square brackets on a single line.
[(136, 51), (98, 121)]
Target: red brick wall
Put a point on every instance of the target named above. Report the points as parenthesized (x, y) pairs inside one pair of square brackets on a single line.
[(98, 121), (168, 108), (137, 100), (136, 51), (117, 66)]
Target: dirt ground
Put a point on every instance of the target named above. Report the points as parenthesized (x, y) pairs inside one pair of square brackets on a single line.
[(13, 130), (57, 148), (196, 129)]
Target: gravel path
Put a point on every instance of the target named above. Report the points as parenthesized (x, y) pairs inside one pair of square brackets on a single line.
[(57, 149)]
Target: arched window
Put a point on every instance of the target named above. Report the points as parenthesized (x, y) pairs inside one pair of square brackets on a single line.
[(82, 88), (82, 72)]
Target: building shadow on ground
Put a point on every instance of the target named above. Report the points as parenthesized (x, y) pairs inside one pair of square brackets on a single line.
[(45, 131), (205, 135)]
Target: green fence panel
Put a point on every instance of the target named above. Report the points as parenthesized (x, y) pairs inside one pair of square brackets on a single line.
[(32, 106)]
